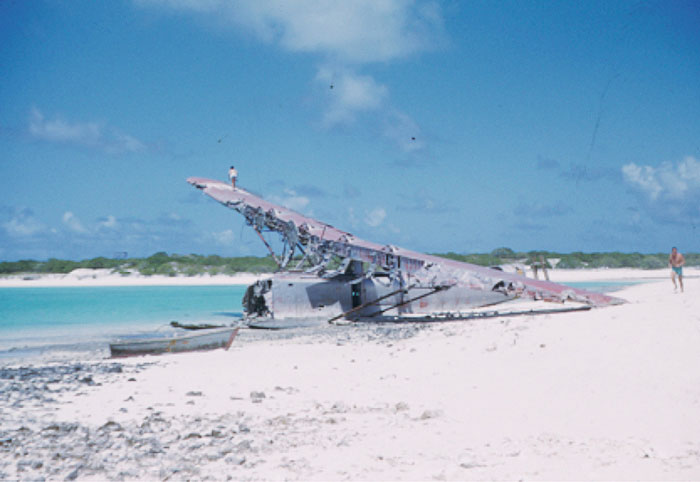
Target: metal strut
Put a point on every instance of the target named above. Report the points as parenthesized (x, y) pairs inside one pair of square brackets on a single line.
[(435, 290), (267, 245), (474, 315), (368, 303)]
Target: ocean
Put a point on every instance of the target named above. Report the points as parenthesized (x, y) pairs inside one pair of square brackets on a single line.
[(35, 320), (40, 320)]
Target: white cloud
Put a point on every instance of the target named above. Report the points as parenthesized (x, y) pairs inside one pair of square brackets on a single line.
[(22, 223), (85, 134), (689, 170), (125, 143), (225, 238), (73, 223), (356, 31), (349, 94), (21, 235), (59, 130), (110, 222), (344, 33), (666, 182), (291, 200), (375, 217), (643, 178), (670, 192)]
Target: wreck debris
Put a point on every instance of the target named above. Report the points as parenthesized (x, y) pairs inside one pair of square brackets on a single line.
[(379, 275)]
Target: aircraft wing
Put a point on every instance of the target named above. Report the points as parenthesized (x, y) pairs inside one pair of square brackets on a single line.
[(320, 241)]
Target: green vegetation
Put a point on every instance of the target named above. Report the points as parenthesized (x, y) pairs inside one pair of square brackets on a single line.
[(480, 259), (162, 263), (576, 260)]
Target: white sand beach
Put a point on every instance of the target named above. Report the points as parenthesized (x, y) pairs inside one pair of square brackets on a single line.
[(608, 394), (106, 277)]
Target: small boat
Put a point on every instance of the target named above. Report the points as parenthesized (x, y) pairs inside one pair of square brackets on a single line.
[(209, 339)]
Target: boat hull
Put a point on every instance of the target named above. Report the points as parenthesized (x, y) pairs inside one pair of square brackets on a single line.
[(197, 341)]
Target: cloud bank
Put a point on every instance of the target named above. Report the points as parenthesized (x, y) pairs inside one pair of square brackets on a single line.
[(23, 235), (351, 94), (91, 135), (346, 35), (292, 200), (358, 31), (72, 222), (19, 222), (671, 192)]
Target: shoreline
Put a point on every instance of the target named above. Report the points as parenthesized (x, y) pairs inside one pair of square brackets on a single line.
[(617, 274), (605, 394), (104, 277)]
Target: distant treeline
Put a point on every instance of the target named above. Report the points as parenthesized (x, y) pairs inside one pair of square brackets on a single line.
[(193, 264), (160, 263), (574, 260)]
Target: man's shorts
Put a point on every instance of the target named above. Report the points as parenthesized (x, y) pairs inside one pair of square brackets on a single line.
[(678, 270)]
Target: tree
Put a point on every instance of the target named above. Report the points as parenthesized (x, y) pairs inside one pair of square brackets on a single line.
[(506, 253)]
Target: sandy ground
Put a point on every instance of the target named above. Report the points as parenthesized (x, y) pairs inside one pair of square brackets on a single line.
[(617, 274), (105, 277), (608, 394)]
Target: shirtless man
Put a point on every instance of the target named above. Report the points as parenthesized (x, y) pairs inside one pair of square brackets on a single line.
[(676, 261)]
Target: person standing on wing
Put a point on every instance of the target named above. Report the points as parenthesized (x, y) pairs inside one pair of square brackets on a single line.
[(233, 174), (676, 261)]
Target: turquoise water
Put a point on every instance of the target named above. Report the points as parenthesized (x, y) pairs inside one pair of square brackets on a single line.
[(65, 318), (34, 317), (602, 286)]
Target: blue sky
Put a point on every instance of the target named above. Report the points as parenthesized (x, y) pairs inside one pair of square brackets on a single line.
[(436, 126)]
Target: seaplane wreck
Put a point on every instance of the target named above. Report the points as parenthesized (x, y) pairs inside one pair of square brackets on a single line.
[(337, 276)]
